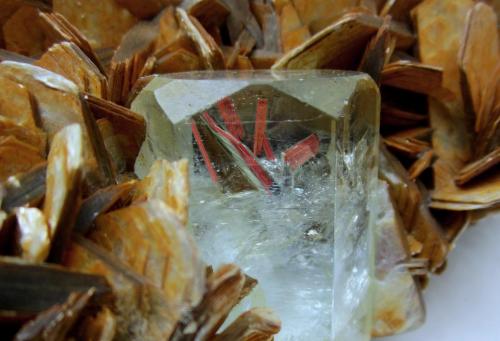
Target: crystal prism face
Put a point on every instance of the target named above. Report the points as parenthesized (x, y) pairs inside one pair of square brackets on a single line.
[(283, 165)]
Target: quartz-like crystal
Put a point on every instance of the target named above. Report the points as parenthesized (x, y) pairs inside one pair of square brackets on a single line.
[(283, 165)]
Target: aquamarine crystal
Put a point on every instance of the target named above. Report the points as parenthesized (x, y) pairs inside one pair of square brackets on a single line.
[(283, 167)]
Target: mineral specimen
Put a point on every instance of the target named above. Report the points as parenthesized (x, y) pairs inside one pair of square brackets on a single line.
[(84, 63)]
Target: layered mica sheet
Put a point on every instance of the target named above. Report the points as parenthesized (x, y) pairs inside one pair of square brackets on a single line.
[(282, 167)]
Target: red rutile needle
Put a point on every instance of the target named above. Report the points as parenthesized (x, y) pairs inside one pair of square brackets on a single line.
[(204, 153), (260, 126), (231, 118), (301, 152), (268, 150)]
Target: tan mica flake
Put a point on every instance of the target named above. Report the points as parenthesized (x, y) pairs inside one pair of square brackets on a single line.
[(341, 44), (33, 234), (16, 104), (69, 61), (440, 25), (180, 60), (64, 173), (210, 13), (17, 157), (255, 324), (210, 52), (478, 61), (150, 239), (23, 32), (168, 182), (103, 22), (317, 14), (57, 101), (483, 193)]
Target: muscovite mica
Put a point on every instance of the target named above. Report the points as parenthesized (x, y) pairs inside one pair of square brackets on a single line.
[(283, 167)]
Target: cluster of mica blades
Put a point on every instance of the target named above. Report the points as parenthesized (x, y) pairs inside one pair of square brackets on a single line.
[(91, 252)]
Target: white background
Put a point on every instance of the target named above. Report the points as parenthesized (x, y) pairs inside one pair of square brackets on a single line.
[(463, 304)]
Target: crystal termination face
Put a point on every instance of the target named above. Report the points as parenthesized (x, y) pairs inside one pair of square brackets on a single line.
[(283, 165)]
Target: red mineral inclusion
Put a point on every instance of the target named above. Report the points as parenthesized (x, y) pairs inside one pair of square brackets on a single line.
[(231, 118), (301, 152), (260, 126), (268, 150), (204, 153), (243, 150), (294, 157)]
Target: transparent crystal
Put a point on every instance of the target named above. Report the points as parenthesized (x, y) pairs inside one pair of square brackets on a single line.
[(283, 167)]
